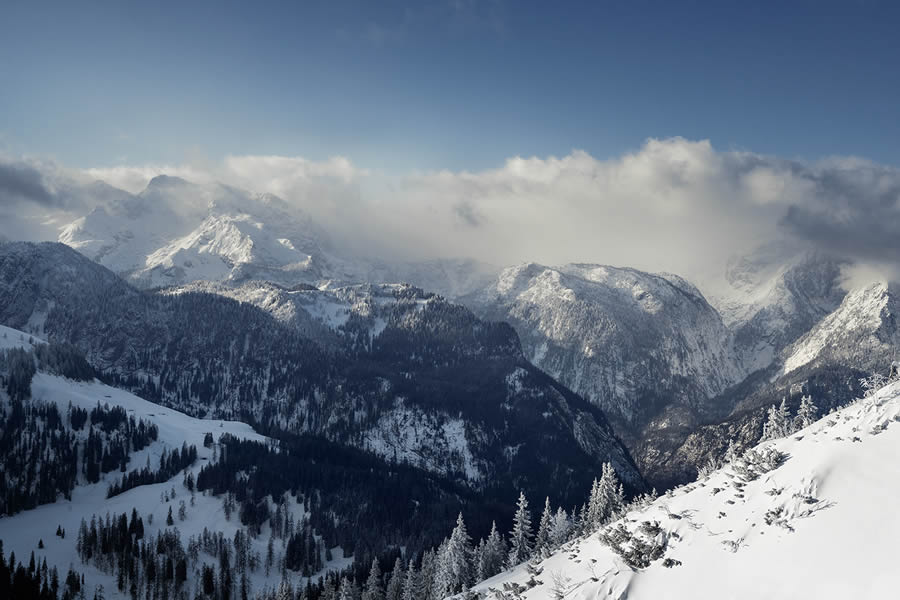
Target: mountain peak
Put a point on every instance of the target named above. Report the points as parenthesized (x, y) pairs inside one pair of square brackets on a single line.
[(166, 182)]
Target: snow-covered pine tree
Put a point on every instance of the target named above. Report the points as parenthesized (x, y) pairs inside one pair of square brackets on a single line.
[(410, 583), (784, 417), (346, 591), (806, 414), (607, 499), (439, 579), (579, 520), (453, 572), (521, 534), (426, 576), (732, 453), (560, 529), (373, 589), (493, 555), (478, 562), (596, 508), (394, 588), (542, 542), (285, 591), (778, 422)]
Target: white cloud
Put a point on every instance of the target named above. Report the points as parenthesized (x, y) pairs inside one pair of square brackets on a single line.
[(674, 205)]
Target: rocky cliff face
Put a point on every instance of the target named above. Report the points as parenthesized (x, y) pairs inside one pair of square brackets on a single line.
[(633, 343)]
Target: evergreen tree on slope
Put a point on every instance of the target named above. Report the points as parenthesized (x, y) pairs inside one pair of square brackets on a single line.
[(521, 534)]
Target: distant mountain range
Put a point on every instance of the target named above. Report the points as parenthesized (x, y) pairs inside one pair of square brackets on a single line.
[(662, 360)]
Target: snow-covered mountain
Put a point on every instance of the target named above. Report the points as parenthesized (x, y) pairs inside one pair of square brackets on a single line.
[(809, 516), (863, 332), (390, 369), (176, 232), (859, 338), (774, 295), (636, 344)]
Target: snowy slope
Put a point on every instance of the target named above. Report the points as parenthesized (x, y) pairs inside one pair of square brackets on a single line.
[(862, 332), (631, 342), (176, 232), (772, 296), (13, 338), (20, 533), (832, 525)]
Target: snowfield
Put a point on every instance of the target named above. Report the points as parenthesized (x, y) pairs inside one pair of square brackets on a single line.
[(13, 338), (21, 532), (824, 524)]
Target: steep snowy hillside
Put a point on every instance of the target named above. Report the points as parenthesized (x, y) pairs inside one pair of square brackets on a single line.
[(407, 375), (858, 339), (22, 532), (175, 232), (772, 296), (862, 332), (640, 346), (809, 516)]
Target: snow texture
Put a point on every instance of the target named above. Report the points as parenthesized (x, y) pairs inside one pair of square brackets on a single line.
[(821, 525)]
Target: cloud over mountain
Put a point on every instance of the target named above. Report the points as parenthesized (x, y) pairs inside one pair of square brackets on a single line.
[(674, 204)]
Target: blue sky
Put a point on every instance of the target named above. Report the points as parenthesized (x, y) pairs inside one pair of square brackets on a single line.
[(443, 84)]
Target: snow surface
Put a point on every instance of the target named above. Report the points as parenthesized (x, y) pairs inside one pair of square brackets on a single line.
[(600, 330), (862, 313), (20, 533), (13, 338), (435, 443), (835, 538)]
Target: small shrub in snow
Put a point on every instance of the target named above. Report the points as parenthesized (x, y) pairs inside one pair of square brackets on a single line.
[(640, 549), (880, 427), (758, 462), (671, 562)]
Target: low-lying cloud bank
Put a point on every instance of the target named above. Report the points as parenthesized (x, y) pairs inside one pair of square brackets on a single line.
[(673, 205)]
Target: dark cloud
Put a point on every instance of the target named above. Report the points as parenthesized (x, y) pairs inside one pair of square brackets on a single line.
[(21, 182), (853, 212)]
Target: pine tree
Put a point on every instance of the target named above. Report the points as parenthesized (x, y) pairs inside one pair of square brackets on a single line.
[(373, 589), (285, 591), (806, 414), (346, 591), (607, 500), (559, 531), (732, 453), (521, 534), (493, 555), (453, 572), (410, 583), (542, 542), (596, 508), (395, 584), (426, 576), (778, 423)]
